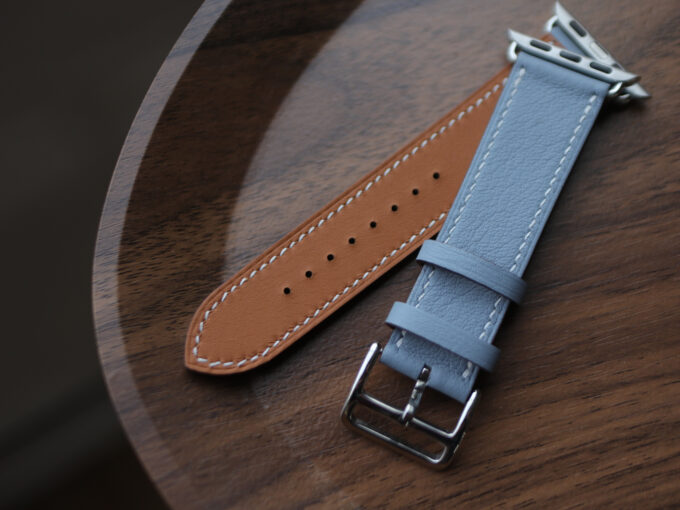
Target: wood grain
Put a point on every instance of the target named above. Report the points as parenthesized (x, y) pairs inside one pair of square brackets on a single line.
[(262, 113)]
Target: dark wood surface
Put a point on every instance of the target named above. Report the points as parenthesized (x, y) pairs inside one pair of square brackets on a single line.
[(262, 113)]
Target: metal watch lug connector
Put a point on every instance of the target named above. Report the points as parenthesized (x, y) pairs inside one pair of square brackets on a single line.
[(617, 77), (591, 47)]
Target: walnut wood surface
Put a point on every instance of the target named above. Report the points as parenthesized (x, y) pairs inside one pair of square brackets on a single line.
[(262, 113)]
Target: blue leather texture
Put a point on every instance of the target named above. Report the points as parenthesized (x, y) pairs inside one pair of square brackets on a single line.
[(559, 34), (533, 138), (433, 329), (452, 258)]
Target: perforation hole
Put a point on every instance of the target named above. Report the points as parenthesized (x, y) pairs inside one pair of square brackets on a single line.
[(395, 207), (286, 290), (330, 256), (435, 175), (351, 240), (415, 191), (373, 224), (308, 274)]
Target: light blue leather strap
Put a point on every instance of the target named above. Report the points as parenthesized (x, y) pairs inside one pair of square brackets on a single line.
[(533, 138), (444, 334), (564, 40), (473, 267)]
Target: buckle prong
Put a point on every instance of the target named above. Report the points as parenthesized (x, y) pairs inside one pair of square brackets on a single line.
[(448, 439), (416, 396)]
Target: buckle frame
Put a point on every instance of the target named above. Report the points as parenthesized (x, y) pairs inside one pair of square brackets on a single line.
[(450, 440)]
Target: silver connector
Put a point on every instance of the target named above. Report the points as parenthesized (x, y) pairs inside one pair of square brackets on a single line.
[(589, 46), (617, 77)]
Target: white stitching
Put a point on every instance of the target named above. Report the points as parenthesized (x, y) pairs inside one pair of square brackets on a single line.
[(357, 281), (549, 190), (321, 308), (377, 178), (471, 187), (533, 222)]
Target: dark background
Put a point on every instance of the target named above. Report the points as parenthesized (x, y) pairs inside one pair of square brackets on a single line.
[(73, 75)]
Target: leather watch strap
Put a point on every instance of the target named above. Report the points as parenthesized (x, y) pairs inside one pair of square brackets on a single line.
[(342, 249), (533, 138), (443, 334)]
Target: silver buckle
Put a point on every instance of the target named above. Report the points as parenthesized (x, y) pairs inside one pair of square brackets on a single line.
[(617, 77), (406, 417), (591, 47)]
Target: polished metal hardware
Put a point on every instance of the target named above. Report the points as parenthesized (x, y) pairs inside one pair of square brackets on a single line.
[(416, 396), (449, 440), (617, 77), (589, 46)]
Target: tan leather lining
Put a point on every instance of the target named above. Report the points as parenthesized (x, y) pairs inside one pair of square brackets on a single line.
[(229, 333)]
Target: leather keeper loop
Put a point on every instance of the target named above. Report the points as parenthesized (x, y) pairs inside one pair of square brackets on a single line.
[(473, 268), (439, 332)]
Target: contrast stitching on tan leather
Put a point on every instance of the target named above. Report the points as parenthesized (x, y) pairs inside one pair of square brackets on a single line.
[(347, 288), (353, 284), (422, 143)]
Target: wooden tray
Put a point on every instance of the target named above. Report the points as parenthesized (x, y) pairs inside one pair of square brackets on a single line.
[(262, 113)]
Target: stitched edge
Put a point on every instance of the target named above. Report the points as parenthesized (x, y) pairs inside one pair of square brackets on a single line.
[(469, 190), (532, 224), (421, 144), (539, 210), (549, 190), (328, 303)]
